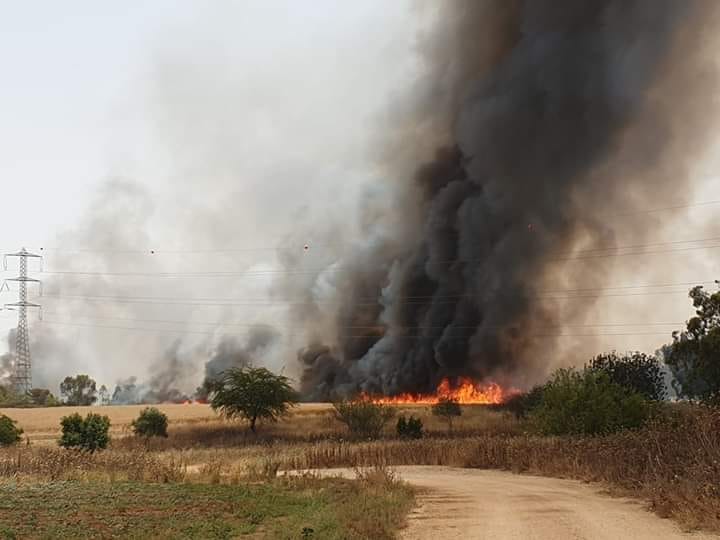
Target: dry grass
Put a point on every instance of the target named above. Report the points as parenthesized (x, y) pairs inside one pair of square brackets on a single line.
[(42, 425), (674, 462)]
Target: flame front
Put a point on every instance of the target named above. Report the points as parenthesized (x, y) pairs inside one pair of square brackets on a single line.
[(465, 392)]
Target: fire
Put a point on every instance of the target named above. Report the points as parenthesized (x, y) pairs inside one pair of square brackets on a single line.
[(465, 392)]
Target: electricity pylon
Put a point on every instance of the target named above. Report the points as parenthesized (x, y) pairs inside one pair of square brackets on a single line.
[(22, 377)]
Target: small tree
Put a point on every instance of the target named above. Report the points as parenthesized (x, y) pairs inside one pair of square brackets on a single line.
[(589, 403), (90, 433), (9, 432), (253, 394), (363, 418), (78, 390), (447, 409), (150, 423), (409, 428)]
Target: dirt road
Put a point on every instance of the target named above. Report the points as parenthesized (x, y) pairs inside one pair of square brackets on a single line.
[(470, 504), (494, 505)]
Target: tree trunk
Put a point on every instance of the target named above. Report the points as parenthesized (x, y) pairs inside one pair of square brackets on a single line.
[(252, 424)]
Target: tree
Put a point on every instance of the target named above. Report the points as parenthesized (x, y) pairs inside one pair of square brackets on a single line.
[(363, 418), (9, 432), (637, 371), (588, 403), (694, 355), (447, 409), (89, 433), (253, 394), (43, 397), (103, 395), (150, 423), (78, 390)]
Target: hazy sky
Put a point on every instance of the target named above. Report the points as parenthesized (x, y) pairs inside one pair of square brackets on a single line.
[(183, 125), (224, 124)]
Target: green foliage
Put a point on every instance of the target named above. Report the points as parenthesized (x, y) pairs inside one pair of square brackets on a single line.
[(694, 355), (409, 428), (9, 432), (363, 418), (89, 433), (150, 423), (253, 394), (78, 390), (587, 402), (447, 409), (637, 371), (521, 405)]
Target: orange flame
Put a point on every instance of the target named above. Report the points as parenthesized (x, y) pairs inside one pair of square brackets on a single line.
[(465, 392)]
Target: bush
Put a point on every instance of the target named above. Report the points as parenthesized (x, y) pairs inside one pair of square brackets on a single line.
[(637, 371), (447, 409), (363, 418), (587, 402), (521, 405), (90, 433), (410, 428), (9, 432), (150, 423)]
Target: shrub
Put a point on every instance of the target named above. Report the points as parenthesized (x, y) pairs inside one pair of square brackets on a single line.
[(150, 423), (521, 405), (410, 428), (447, 409), (587, 402), (362, 417), (90, 433), (637, 371), (9, 432), (252, 394)]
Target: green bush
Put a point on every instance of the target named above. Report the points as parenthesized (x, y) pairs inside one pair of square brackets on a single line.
[(363, 418), (409, 428), (587, 402), (150, 423), (90, 433), (9, 432), (447, 409)]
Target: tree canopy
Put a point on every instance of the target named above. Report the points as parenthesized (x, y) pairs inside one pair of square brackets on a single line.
[(78, 390), (637, 371), (694, 355), (252, 394)]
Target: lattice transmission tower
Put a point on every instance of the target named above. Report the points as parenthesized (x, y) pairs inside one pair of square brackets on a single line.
[(22, 376)]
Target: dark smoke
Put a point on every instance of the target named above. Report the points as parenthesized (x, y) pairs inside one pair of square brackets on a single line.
[(552, 120), (231, 353)]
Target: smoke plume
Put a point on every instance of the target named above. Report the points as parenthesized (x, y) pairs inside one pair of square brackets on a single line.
[(538, 127)]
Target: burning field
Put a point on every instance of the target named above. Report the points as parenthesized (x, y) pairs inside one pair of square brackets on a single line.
[(465, 392)]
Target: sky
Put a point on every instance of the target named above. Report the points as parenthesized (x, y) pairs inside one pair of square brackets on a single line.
[(132, 127)]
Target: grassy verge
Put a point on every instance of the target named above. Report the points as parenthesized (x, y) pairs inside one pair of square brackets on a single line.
[(284, 508)]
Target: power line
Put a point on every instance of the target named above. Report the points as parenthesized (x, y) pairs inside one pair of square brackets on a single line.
[(251, 273), (159, 251), (453, 338), (367, 327)]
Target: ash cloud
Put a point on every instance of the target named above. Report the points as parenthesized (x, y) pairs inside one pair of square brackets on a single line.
[(538, 128)]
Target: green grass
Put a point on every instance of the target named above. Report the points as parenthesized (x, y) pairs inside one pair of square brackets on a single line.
[(289, 508)]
